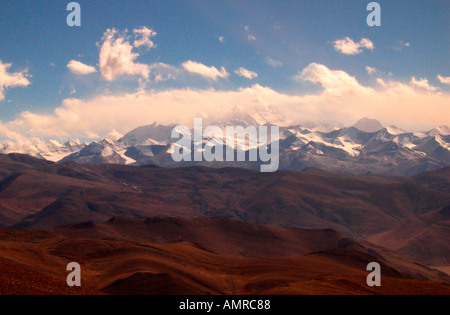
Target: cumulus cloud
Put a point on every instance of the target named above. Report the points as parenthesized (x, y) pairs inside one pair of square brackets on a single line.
[(347, 46), (80, 68), (143, 37), (371, 70), (10, 80), (117, 57), (443, 80), (273, 63), (422, 84), (205, 71), (335, 82), (246, 73)]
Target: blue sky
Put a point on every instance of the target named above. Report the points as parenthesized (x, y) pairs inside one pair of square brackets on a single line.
[(413, 42)]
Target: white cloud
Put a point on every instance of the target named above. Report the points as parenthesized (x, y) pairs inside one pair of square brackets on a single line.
[(422, 84), (246, 73), (10, 80), (400, 45), (347, 46), (443, 80), (371, 70), (274, 63), (80, 68), (143, 37), (114, 135), (117, 57), (335, 82), (205, 71)]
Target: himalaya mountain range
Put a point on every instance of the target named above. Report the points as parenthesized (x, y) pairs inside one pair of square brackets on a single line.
[(364, 148)]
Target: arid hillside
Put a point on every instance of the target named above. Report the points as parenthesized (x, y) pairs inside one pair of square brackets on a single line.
[(205, 256)]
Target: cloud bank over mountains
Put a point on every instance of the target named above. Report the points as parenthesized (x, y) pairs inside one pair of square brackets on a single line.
[(342, 98)]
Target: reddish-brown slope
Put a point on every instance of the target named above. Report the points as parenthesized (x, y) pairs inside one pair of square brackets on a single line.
[(183, 268), (425, 238), (17, 280), (121, 257), (223, 237)]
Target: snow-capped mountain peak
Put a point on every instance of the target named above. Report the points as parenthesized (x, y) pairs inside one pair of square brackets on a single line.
[(441, 130), (51, 150), (368, 125), (153, 134), (393, 130)]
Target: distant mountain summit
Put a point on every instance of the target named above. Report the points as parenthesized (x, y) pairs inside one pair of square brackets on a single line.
[(148, 135), (441, 130), (393, 130), (368, 125)]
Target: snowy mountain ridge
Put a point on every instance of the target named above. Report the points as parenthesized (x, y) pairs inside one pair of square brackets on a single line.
[(366, 147)]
